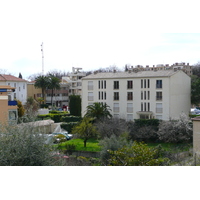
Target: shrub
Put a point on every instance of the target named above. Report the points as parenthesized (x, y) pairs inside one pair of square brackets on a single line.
[(68, 126), (22, 145), (143, 130), (139, 154), (111, 143), (109, 127), (71, 118), (176, 131)]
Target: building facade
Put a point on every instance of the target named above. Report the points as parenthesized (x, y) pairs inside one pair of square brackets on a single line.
[(163, 94), (8, 106), (19, 84)]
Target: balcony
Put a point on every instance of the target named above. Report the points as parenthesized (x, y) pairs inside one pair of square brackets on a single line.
[(12, 103)]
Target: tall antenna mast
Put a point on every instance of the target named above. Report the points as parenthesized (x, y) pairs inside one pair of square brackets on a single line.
[(42, 58)]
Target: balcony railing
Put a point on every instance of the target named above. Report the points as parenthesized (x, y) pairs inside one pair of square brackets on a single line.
[(12, 103)]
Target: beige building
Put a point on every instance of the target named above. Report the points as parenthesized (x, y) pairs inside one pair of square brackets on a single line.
[(8, 107), (162, 94), (32, 91)]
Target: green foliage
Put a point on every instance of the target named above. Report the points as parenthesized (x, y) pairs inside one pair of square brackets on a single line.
[(92, 145), (71, 118), (144, 130), (112, 126), (139, 154), (44, 105), (98, 111), (42, 82), (75, 105), (85, 130), (53, 84), (20, 109), (147, 122), (195, 90), (112, 143), (68, 126), (22, 145)]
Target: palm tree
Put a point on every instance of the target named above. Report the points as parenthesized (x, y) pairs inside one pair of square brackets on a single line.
[(41, 82), (53, 84), (98, 110)]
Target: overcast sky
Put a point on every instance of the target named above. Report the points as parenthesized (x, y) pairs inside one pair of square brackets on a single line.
[(96, 34)]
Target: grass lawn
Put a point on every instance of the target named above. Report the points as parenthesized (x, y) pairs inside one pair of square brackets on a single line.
[(92, 145), (172, 146)]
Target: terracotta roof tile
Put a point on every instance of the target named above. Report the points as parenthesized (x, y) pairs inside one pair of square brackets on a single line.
[(4, 77)]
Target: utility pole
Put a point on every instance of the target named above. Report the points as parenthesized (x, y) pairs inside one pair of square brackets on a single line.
[(42, 58)]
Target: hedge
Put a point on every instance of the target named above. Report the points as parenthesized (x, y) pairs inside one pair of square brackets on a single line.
[(68, 126)]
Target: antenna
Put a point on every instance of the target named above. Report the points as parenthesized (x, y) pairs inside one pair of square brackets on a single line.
[(42, 58)]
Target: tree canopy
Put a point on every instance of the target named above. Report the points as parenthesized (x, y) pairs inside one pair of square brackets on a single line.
[(195, 90), (98, 110)]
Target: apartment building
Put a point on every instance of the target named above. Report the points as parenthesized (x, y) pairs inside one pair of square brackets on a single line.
[(162, 94), (8, 106), (19, 84), (75, 81)]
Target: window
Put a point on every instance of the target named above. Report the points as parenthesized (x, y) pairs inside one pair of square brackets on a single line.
[(116, 95), (148, 109), (158, 96), (14, 84), (90, 85), (141, 83), (19, 88), (12, 115), (15, 96), (99, 95), (129, 107), (116, 107), (116, 84), (158, 83), (144, 83), (145, 95), (148, 95), (159, 108), (90, 96), (105, 95), (141, 95), (129, 84), (159, 117), (23, 86), (99, 84), (129, 117), (148, 83), (141, 106), (130, 96), (104, 84)]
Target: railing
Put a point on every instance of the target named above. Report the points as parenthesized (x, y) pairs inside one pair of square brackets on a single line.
[(12, 103)]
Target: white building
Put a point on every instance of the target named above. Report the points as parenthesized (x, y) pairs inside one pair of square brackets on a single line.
[(19, 84), (163, 94), (75, 81)]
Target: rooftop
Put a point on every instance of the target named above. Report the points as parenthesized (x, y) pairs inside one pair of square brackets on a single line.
[(143, 74), (4, 77)]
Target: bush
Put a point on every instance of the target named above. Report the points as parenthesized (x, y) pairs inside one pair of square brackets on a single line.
[(24, 146), (108, 127), (111, 143), (139, 154), (71, 118), (176, 131), (68, 126), (143, 130)]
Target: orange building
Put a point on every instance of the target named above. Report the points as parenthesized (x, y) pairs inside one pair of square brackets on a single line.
[(8, 107)]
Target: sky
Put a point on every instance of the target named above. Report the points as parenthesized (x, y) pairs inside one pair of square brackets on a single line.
[(96, 34)]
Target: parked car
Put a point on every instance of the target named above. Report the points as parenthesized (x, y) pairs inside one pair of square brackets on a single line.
[(60, 136), (195, 111)]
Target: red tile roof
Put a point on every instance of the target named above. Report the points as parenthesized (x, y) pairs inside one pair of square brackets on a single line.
[(4, 77)]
